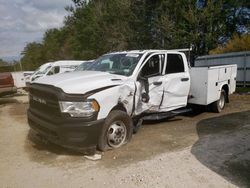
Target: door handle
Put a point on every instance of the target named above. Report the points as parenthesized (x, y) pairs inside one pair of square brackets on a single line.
[(184, 79), (157, 83)]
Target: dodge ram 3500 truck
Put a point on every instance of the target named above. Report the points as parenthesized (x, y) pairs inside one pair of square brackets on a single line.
[(100, 107)]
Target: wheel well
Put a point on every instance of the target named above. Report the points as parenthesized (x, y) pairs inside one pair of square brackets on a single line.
[(119, 106), (226, 89)]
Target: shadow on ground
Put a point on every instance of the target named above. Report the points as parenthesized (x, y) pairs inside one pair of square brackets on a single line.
[(224, 146), (4, 101), (9, 99), (49, 154), (153, 138), (43, 145)]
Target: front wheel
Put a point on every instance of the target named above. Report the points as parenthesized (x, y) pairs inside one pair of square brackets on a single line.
[(219, 105), (117, 131)]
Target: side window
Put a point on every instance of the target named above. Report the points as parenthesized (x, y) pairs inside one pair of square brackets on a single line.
[(174, 64), (51, 71), (54, 70), (153, 66)]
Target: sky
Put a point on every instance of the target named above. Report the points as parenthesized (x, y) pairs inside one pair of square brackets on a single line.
[(24, 21)]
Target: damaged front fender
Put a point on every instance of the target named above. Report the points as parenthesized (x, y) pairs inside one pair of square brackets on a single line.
[(120, 95)]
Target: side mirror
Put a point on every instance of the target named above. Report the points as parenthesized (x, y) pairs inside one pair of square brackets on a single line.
[(145, 97)]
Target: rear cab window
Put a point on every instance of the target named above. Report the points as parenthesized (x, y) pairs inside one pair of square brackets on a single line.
[(175, 64)]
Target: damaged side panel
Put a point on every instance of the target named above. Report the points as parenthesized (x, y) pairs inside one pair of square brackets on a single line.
[(175, 91), (155, 94), (109, 98)]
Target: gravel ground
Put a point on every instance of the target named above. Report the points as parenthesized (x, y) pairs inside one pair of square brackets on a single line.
[(195, 150)]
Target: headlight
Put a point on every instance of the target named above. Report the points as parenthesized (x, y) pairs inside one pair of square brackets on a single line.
[(79, 109)]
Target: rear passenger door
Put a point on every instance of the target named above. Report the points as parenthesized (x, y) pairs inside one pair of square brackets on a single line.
[(176, 82)]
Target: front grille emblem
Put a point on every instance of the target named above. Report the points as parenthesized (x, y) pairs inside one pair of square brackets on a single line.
[(42, 101)]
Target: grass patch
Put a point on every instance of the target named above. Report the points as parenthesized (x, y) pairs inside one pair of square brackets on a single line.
[(242, 89)]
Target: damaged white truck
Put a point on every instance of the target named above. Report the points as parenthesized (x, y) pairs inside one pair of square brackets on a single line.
[(102, 107)]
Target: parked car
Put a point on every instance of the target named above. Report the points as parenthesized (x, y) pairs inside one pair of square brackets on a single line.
[(7, 84), (100, 107)]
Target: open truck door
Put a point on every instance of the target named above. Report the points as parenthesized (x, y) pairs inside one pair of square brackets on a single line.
[(150, 80)]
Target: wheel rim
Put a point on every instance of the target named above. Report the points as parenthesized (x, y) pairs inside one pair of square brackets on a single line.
[(116, 134), (222, 101)]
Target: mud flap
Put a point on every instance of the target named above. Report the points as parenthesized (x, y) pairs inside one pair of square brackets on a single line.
[(137, 125)]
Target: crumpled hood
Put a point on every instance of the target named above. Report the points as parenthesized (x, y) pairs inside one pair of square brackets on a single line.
[(82, 81)]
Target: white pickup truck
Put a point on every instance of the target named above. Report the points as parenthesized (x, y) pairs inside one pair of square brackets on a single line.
[(100, 107)]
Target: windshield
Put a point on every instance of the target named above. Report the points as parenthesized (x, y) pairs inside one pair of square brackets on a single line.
[(122, 64), (83, 66)]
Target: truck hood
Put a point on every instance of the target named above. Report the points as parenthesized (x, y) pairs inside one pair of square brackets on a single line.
[(82, 81)]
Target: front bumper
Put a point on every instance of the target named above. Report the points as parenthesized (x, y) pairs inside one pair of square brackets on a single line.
[(73, 134)]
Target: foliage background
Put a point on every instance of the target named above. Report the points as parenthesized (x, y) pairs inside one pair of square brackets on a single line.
[(96, 27)]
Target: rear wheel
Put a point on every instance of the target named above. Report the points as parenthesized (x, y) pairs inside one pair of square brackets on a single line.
[(219, 105), (117, 131)]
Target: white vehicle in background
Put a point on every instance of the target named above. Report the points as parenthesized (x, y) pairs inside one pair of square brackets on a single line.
[(42, 70), (101, 107), (27, 73), (52, 68), (63, 66)]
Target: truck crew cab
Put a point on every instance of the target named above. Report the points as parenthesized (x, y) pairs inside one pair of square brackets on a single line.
[(100, 107)]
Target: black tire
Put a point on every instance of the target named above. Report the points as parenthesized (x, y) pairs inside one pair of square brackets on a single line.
[(219, 105), (122, 121)]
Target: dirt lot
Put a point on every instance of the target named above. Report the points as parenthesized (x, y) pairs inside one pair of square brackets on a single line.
[(195, 150)]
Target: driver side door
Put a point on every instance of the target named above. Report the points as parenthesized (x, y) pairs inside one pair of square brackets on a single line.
[(151, 83)]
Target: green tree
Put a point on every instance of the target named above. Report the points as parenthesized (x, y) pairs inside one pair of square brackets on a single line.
[(236, 44), (100, 27), (95, 27), (33, 56)]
